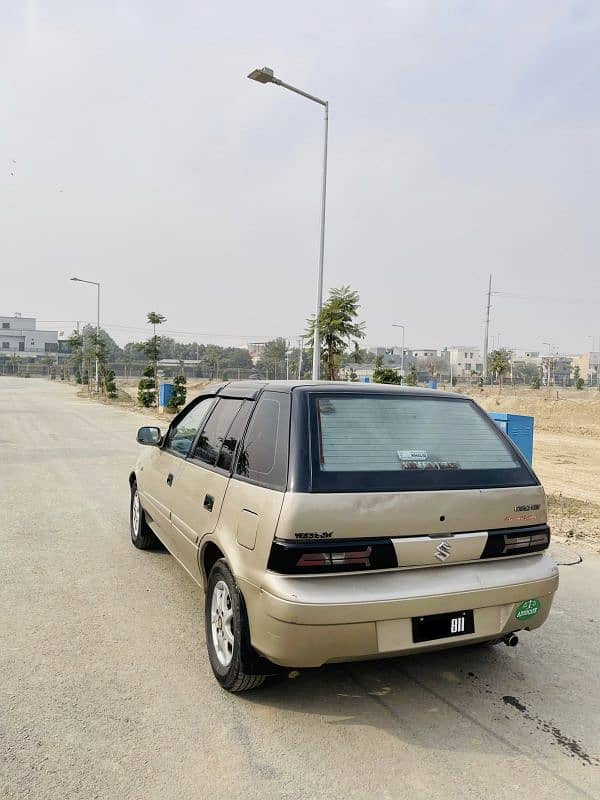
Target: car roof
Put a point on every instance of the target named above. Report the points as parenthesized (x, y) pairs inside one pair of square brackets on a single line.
[(251, 389)]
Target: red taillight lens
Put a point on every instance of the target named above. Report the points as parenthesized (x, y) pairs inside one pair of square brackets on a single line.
[(353, 558), (314, 559)]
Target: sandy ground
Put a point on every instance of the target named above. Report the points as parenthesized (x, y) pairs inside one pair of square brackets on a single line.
[(107, 693), (566, 455)]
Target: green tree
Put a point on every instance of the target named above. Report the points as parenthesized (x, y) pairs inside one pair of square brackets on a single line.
[(153, 346), (412, 377), (75, 344), (147, 388), (337, 327), (383, 374), (272, 359), (177, 399), (499, 361)]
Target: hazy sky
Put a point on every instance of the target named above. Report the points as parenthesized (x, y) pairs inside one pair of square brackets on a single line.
[(464, 139)]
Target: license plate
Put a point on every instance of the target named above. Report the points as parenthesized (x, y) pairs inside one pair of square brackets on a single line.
[(442, 626)]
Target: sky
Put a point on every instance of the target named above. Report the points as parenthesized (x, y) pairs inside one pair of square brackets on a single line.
[(463, 140)]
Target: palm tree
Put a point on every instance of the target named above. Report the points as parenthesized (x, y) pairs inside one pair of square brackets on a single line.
[(337, 326), (499, 363), (154, 346)]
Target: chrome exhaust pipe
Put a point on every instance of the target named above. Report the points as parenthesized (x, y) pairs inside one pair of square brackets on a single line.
[(511, 640)]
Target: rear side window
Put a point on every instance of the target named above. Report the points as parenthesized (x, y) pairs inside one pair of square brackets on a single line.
[(263, 457), (214, 433), (395, 442), (233, 437)]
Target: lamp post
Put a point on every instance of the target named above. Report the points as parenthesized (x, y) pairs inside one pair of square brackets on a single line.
[(266, 75), (97, 285), (397, 325)]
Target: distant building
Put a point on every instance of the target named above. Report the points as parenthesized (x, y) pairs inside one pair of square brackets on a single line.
[(256, 350), (19, 336), (588, 364), (464, 360)]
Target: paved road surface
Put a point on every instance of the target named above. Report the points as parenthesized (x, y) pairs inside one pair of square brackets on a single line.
[(106, 690)]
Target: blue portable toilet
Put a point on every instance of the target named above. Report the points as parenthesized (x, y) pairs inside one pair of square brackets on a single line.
[(165, 390), (365, 379), (432, 384), (519, 428)]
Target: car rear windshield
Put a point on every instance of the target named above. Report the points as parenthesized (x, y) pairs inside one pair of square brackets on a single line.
[(373, 442)]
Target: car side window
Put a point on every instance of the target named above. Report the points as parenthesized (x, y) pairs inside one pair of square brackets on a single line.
[(181, 436), (215, 430), (263, 457), (234, 435)]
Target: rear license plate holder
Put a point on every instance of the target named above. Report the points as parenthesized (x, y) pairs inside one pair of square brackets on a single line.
[(442, 626)]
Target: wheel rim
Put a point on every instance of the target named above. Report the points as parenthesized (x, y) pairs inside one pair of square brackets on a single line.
[(135, 515), (221, 620)]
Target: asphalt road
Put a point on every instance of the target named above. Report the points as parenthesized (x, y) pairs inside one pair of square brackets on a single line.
[(106, 690)]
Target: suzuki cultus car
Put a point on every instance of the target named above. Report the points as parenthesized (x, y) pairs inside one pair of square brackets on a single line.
[(333, 522)]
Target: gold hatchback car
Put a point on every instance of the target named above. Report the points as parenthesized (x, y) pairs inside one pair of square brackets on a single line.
[(335, 522)]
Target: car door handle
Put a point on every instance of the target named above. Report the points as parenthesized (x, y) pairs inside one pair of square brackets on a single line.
[(170, 479), (209, 502)]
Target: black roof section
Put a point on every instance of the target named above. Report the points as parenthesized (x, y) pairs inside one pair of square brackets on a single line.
[(251, 389)]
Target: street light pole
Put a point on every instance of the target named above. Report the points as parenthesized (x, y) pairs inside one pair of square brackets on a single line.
[(97, 285), (397, 325), (266, 75)]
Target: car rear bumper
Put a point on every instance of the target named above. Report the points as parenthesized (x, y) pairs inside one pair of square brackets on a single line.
[(308, 621)]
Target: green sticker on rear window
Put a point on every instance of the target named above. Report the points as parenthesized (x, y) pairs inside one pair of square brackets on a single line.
[(528, 609)]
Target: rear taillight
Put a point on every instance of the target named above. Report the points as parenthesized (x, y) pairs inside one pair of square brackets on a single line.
[(517, 541), (295, 558)]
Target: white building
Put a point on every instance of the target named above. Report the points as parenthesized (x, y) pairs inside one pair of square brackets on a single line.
[(19, 336), (464, 360)]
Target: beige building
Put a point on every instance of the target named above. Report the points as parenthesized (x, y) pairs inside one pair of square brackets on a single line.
[(464, 360), (588, 364)]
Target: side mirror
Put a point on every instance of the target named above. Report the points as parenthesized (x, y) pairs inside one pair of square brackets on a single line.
[(149, 435)]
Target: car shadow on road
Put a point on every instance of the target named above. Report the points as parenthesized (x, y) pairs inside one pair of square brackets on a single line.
[(451, 699)]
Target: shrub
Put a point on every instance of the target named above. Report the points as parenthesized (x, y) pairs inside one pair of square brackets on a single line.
[(177, 399), (146, 388), (109, 384)]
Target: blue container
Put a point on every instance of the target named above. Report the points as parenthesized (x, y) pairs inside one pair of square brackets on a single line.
[(519, 428), (432, 384), (165, 390), (365, 379)]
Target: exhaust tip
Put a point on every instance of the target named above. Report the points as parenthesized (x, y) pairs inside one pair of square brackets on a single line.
[(512, 640)]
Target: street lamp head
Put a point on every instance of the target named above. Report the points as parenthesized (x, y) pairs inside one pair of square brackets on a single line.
[(264, 75), (74, 279)]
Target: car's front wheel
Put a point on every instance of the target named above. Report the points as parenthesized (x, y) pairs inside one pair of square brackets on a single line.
[(228, 634), (141, 534)]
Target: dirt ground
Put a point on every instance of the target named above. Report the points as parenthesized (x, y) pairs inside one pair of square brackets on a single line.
[(566, 450)]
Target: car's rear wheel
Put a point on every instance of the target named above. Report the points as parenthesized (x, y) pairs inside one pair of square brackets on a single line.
[(233, 662), (141, 534)]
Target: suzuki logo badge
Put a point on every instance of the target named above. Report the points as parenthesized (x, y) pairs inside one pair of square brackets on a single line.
[(442, 551)]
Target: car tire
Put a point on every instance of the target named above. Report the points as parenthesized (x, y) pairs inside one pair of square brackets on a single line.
[(141, 534), (233, 662)]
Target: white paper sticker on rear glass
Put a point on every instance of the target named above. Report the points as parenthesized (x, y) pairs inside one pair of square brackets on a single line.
[(412, 455)]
